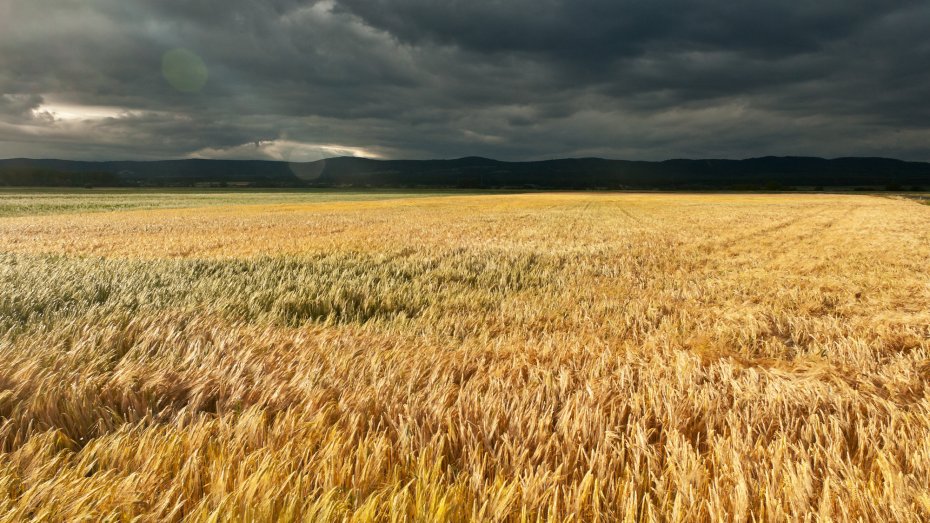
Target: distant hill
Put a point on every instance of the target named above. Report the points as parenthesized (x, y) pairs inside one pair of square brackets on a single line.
[(473, 172)]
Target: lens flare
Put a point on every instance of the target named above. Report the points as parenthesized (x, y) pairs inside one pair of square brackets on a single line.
[(184, 70)]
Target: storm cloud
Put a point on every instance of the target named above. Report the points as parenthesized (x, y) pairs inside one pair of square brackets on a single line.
[(518, 79)]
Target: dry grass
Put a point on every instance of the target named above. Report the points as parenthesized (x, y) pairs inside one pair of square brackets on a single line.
[(542, 357)]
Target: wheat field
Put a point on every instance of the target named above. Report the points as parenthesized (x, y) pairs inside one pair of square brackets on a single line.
[(457, 357)]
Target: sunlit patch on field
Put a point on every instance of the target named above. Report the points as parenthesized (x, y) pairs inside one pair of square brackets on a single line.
[(454, 357)]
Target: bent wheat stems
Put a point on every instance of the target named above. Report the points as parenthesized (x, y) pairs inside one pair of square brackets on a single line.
[(535, 357)]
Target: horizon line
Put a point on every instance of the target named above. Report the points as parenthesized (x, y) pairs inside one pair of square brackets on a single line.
[(471, 157)]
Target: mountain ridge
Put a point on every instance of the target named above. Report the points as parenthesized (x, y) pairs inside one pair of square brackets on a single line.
[(476, 172)]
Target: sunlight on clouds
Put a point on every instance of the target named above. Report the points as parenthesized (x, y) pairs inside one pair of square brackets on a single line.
[(75, 113), (285, 150), (317, 11)]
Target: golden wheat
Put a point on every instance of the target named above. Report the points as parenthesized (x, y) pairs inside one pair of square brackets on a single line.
[(536, 357)]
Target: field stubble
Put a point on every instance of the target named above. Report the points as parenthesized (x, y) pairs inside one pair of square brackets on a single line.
[(497, 357)]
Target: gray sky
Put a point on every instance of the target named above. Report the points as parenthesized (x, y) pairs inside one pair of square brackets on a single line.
[(509, 79)]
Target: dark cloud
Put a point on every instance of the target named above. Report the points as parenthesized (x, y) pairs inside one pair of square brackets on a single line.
[(19, 108), (602, 30), (420, 78)]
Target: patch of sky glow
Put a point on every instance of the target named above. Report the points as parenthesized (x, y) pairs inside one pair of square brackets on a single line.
[(482, 137)]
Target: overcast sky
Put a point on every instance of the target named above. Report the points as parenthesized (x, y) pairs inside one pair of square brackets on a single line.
[(509, 79)]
